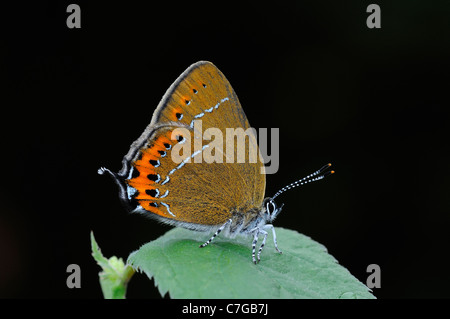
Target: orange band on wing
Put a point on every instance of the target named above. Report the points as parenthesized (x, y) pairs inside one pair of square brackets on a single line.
[(147, 205)]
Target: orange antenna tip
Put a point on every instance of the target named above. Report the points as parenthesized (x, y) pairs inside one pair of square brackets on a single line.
[(332, 172)]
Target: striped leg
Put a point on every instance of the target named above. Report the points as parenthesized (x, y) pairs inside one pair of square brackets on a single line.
[(274, 236), (262, 244), (255, 240), (217, 233)]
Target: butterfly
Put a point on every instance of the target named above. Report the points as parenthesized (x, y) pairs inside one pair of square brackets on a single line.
[(209, 196)]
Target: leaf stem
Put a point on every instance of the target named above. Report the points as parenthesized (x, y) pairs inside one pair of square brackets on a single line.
[(114, 276)]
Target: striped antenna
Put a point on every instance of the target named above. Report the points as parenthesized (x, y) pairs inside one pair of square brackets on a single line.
[(316, 176)]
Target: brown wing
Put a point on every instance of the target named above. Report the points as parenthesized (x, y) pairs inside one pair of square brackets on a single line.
[(192, 190)]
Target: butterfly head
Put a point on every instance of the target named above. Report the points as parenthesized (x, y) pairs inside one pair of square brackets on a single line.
[(271, 210)]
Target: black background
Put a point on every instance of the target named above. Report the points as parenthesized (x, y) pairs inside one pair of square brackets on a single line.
[(374, 102)]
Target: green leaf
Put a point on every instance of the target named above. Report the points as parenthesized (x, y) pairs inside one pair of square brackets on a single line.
[(224, 269), (115, 275)]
